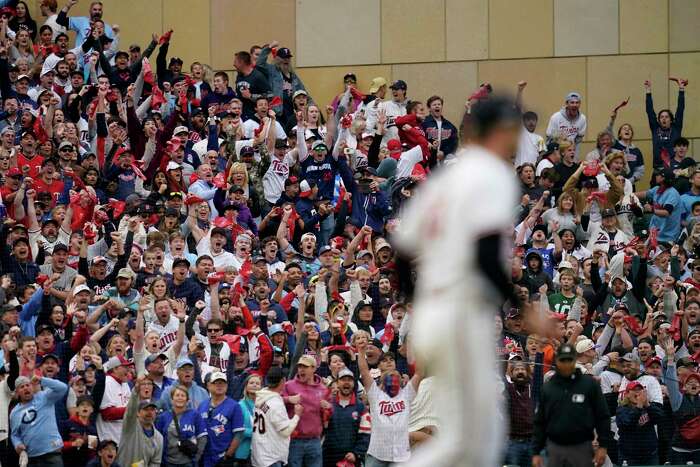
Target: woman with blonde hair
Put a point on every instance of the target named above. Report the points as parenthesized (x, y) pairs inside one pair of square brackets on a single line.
[(636, 417), (23, 47), (564, 213), (238, 175)]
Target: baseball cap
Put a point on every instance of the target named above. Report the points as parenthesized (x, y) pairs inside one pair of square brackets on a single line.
[(44, 327), (318, 144), (172, 165), (236, 189), (82, 288), (633, 385), (608, 212), (324, 249), (381, 243), (175, 60), (216, 376), (284, 52), (65, 144), (344, 373), (376, 83), (584, 345), (573, 95), (21, 77), (363, 253), (631, 357), (126, 273), (147, 403), (60, 247), (184, 361), (181, 129), (566, 352), (307, 360), (14, 172), (247, 151), (393, 145), (155, 356), (274, 329), (299, 92), (49, 356), (121, 53), (399, 84), (281, 144)]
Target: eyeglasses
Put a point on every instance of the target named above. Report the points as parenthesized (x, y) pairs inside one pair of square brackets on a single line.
[(66, 149), (4, 158), (214, 330)]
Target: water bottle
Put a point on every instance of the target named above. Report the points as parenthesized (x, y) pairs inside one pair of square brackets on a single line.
[(624, 464)]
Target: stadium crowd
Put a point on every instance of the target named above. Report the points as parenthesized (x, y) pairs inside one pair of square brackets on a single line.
[(198, 270)]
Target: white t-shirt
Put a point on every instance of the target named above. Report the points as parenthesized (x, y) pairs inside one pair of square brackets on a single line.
[(544, 164), (116, 395), (390, 416), (274, 178), (407, 161), (224, 259), (650, 383), (530, 145), (269, 444), (250, 125)]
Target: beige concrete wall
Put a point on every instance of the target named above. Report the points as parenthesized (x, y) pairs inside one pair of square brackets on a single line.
[(604, 49)]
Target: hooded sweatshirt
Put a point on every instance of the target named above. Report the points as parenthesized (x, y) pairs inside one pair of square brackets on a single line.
[(310, 424), (271, 444), (561, 126)]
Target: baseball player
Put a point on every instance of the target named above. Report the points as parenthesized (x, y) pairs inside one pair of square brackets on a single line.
[(457, 226)]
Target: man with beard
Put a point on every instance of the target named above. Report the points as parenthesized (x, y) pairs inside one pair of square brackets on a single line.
[(347, 435), (82, 25), (66, 274), (51, 63), (521, 394), (11, 115), (568, 123), (631, 370)]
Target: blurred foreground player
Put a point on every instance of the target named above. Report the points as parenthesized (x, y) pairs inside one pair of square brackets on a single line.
[(460, 241)]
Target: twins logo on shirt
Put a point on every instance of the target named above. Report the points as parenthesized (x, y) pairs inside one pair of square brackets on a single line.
[(390, 408)]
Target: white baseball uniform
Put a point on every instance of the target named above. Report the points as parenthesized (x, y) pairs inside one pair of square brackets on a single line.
[(272, 429), (451, 328)]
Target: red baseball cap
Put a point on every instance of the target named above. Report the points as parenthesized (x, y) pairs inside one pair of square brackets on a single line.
[(14, 172), (393, 145), (633, 385)]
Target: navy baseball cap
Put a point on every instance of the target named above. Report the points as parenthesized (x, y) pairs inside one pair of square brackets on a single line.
[(284, 52)]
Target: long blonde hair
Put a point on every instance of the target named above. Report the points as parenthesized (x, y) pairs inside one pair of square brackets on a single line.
[(237, 167)]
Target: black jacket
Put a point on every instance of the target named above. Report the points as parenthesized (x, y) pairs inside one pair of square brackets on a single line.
[(569, 410)]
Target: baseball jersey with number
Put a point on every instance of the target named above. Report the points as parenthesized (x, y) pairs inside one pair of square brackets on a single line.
[(390, 417), (272, 429)]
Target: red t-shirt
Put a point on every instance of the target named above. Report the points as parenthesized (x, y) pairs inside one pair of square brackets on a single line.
[(34, 164), (55, 188), (5, 191)]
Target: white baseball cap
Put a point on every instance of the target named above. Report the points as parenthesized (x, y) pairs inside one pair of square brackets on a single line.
[(584, 345), (81, 288), (181, 129)]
